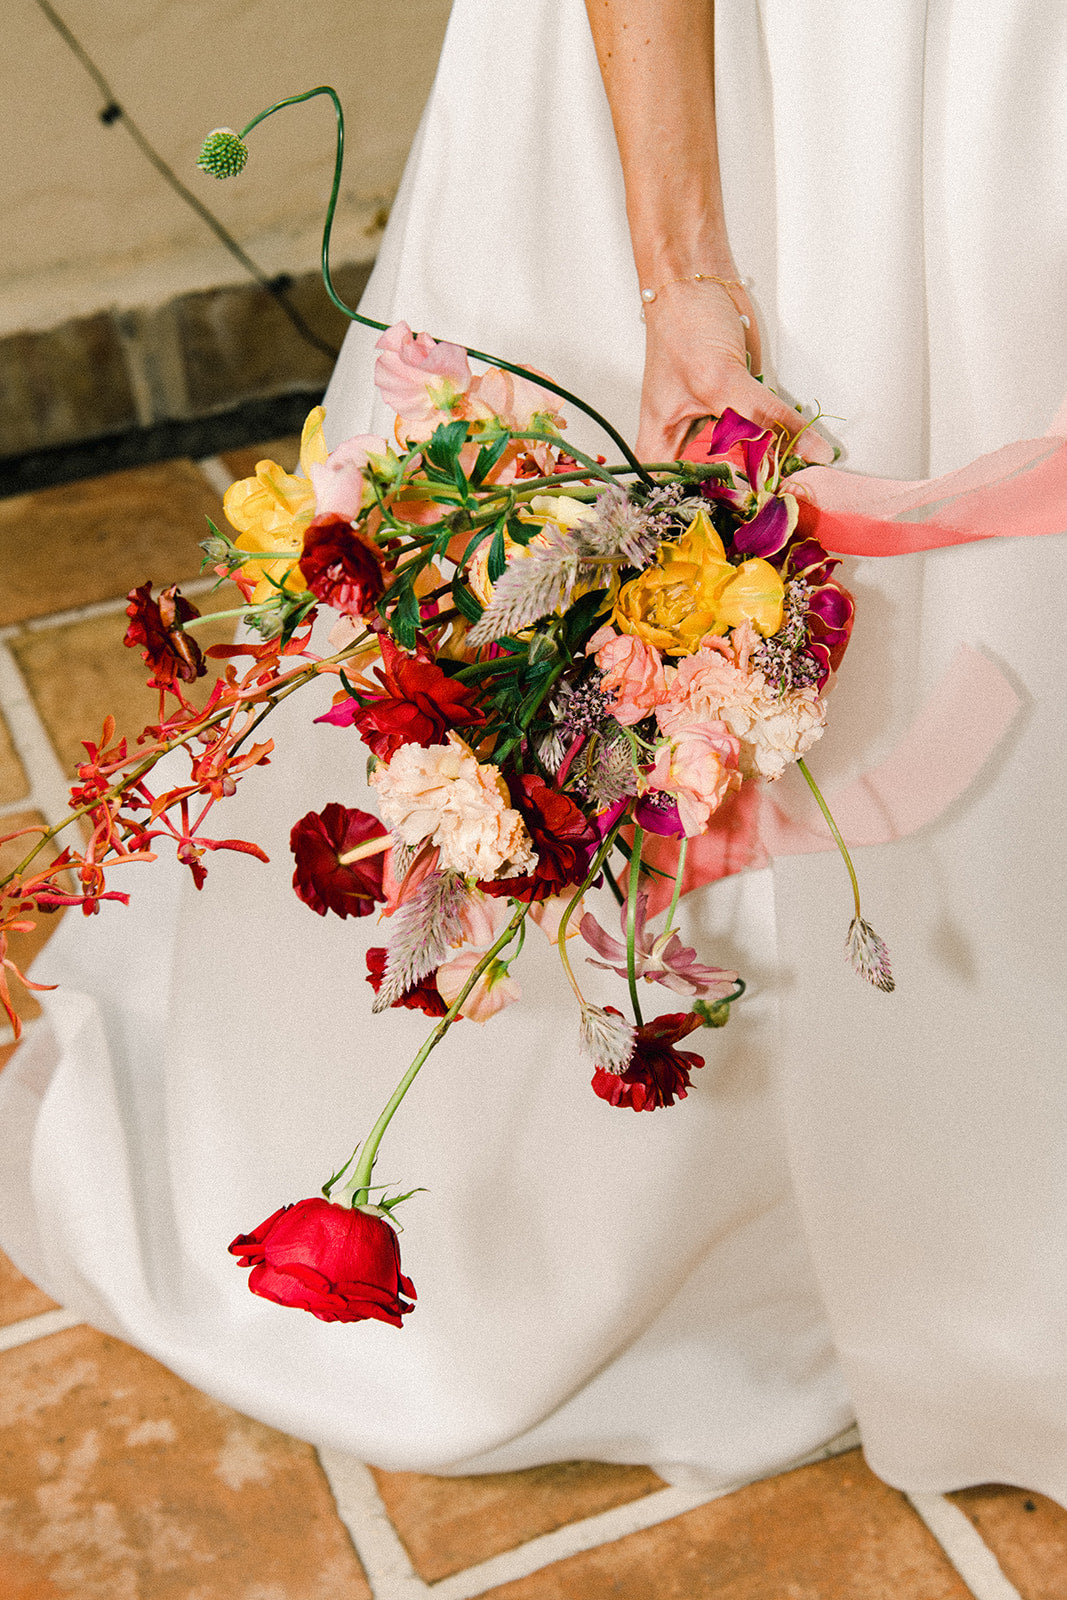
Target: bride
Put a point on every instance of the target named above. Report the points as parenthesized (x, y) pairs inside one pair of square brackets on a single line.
[(859, 1209)]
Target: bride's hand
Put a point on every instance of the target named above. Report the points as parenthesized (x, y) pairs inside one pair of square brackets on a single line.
[(699, 360)]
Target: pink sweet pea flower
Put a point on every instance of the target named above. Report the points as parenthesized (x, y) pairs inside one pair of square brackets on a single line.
[(494, 991), (514, 401), (338, 481), (633, 674), (423, 381), (698, 766)]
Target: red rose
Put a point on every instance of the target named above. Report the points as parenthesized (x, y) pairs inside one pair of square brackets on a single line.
[(422, 996), (322, 880), (157, 627), (419, 704), (563, 837), (657, 1074), (341, 1264), (341, 566)]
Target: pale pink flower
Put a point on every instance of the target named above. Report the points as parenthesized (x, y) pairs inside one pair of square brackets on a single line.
[(548, 914), (423, 381), (633, 674), (658, 958), (515, 402), (698, 766), (494, 990), (716, 684), (338, 481), (483, 918), (442, 795)]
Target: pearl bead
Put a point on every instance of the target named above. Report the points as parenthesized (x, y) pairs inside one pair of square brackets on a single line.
[(648, 295)]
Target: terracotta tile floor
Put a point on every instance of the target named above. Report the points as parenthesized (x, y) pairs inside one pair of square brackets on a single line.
[(120, 1482)]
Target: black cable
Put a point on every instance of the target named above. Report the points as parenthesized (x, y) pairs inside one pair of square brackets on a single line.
[(114, 112)]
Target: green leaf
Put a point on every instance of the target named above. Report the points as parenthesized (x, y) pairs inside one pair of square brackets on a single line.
[(444, 445), (497, 560), (464, 601), (488, 456), (405, 619)]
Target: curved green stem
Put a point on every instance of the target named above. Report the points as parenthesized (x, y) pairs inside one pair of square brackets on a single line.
[(594, 867), (631, 921), (371, 322), (358, 1186), (836, 832), (672, 908)]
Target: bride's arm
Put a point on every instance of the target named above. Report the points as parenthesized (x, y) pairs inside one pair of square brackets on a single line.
[(656, 59)]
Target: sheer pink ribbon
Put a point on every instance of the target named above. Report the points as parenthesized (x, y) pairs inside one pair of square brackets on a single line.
[(1017, 492)]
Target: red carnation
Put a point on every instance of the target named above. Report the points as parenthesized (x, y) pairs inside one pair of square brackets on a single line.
[(418, 706), (339, 1263), (563, 837), (157, 627), (341, 566), (657, 1074), (422, 996), (322, 879)]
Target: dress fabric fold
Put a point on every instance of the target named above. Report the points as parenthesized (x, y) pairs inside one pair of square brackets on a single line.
[(859, 1209)]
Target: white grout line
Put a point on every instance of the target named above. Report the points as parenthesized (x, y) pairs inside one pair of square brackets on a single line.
[(217, 473), (588, 1534), (965, 1547), (362, 1510), (31, 1328), (49, 788)]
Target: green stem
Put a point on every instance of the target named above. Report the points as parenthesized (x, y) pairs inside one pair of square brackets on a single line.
[(382, 327), (832, 825), (358, 1186), (595, 866), (631, 921), (672, 908)]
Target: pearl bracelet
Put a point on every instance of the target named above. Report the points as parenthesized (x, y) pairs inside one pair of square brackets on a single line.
[(648, 295)]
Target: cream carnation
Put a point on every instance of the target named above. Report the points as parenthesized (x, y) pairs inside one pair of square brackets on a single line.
[(442, 795)]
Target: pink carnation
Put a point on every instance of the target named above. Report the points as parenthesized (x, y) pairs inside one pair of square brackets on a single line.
[(633, 674), (423, 381), (698, 766)]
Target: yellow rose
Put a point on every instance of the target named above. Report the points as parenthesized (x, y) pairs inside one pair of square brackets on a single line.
[(692, 590), (272, 510)]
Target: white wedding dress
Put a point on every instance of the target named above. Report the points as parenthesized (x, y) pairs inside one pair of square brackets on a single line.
[(860, 1210)]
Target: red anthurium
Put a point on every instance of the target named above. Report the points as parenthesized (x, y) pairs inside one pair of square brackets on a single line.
[(338, 1262), (323, 879), (658, 1074)]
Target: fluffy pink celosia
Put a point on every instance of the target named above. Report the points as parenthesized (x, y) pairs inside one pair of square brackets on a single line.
[(423, 381), (633, 674), (698, 766), (716, 684), (493, 992), (441, 795), (338, 481)]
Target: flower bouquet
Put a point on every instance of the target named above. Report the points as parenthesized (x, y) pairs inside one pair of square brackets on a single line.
[(548, 659)]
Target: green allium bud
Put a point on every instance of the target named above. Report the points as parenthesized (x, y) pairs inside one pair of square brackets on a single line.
[(223, 153)]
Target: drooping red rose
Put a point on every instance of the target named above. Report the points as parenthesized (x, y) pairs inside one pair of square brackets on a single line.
[(342, 566), (422, 996), (321, 879), (658, 1074), (339, 1263), (418, 705), (562, 835), (156, 626)]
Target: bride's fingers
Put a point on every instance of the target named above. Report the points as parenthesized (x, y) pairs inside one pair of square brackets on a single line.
[(763, 407)]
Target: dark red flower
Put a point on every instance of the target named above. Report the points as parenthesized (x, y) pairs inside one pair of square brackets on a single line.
[(422, 996), (341, 1264), (658, 1074), (563, 837), (341, 566), (156, 626), (418, 705), (322, 880)]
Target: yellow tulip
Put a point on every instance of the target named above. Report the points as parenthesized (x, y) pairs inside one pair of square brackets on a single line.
[(272, 510)]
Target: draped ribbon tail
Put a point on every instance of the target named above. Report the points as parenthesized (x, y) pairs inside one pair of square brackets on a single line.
[(945, 749)]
